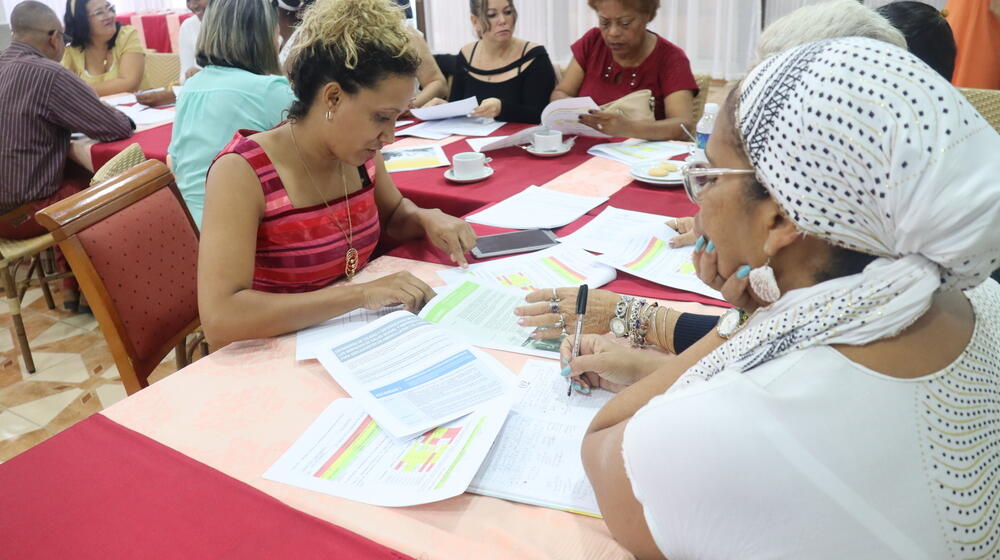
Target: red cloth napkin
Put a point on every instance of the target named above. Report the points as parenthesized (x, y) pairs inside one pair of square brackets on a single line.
[(514, 170), (99, 490), (153, 141)]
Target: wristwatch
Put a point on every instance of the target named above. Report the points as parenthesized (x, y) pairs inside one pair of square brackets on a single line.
[(618, 325), (731, 322)]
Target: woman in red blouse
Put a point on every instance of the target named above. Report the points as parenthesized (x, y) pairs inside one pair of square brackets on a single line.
[(620, 56)]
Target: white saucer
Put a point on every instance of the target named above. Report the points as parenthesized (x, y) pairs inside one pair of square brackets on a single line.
[(566, 147), (640, 171), (449, 175)]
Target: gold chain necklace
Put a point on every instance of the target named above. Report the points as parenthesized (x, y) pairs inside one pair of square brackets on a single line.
[(351, 258)]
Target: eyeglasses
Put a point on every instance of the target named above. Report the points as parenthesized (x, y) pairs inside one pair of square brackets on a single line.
[(106, 10), (698, 176)]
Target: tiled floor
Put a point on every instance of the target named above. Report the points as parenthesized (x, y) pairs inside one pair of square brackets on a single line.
[(75, 374)]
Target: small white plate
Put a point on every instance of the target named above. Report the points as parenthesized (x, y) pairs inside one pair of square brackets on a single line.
[(450, 175), (566, 147), (640, 171)]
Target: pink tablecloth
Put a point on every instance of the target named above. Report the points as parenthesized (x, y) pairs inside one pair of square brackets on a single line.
[(159, 31), (99, 490)]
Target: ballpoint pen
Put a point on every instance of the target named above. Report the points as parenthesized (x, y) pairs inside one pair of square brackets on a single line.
[(581, 311)]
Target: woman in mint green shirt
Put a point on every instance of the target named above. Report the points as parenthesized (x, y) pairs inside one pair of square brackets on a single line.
[(240, 87)]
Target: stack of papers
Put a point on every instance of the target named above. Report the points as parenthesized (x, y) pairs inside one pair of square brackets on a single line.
[(144, 116), (562, 115), (555, 267), (633, 151), (537, 208), (638, 243), (463, 126), (307, 341)]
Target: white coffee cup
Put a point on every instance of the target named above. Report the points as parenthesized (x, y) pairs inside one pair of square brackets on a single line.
[(548, 141), (469, 165)]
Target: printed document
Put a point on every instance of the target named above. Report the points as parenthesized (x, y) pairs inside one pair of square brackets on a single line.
[(556, 267), (537, 208), (536, 459), (308, 340), (143, 116), (484, 316), (411, 159), (650, 257), (345, 453), (463, 126), (639, 151), (615, 228), (562, 115), (477, 143), (447, 110), (411, 375)]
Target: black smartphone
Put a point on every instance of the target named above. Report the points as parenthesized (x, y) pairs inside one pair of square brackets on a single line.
[(513, 242)]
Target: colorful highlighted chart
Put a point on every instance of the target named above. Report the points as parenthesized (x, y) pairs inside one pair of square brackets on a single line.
[(563, 270), (555, 267), (648, 255), (424, 454), (345, 453)]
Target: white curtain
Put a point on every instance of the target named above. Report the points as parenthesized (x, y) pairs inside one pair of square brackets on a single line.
[(717, 35)]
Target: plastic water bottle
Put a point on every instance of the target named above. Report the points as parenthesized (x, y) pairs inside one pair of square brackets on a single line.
[(706, 124)]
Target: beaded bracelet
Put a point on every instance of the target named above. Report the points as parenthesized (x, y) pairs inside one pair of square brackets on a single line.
[(638, 334)]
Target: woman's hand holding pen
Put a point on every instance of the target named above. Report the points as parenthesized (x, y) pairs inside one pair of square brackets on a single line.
[(606, 364), (543, 313)]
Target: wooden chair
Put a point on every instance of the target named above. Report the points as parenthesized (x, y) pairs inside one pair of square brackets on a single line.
[(704, 82), (133, 246), (987, 102), (14, 252)]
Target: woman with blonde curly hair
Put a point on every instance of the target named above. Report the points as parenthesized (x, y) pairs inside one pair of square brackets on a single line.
[(291, 210)]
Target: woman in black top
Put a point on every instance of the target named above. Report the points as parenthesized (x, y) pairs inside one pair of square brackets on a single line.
[(511, 78)]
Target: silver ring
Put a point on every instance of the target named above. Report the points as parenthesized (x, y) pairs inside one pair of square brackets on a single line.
[(600, 126), (555, 296), (561, 323), (564, 333), (553, 307)]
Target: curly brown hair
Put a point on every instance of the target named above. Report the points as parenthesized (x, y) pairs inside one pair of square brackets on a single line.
[(355, 43)]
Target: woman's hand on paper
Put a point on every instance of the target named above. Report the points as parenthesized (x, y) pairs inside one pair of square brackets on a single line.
[(612, 124), (489, 108), (450, 234), (395, 289), (606, 364), (687, 232), (735, 288), (539, 313), (435, 101)]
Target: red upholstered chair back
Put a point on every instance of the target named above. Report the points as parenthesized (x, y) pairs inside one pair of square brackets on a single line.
[(134, 248)]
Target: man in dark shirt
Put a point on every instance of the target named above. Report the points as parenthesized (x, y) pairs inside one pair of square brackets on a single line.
[(41, 103)]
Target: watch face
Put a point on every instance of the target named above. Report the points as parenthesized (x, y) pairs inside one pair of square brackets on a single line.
[(729, 322), (618, 327)]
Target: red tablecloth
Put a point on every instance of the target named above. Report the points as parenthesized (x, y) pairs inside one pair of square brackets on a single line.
[(154, 143), (514, 170), (158, 31), (99, 490), (624, 284)]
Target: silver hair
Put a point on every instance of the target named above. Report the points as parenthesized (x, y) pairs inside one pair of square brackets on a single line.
[(829, 20)]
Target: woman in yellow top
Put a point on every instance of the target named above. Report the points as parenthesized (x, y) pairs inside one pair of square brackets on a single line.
[(104, 53)]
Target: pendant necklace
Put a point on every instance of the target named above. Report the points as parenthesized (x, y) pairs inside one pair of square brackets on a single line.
[(351, 258)]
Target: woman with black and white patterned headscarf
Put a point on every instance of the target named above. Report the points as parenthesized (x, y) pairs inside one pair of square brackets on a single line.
[(857, 413)]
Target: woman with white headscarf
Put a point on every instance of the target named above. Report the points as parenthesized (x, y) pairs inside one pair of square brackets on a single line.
[(855, 195)]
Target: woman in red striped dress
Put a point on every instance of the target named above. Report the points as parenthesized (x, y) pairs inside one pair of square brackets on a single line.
[(291, 210)]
